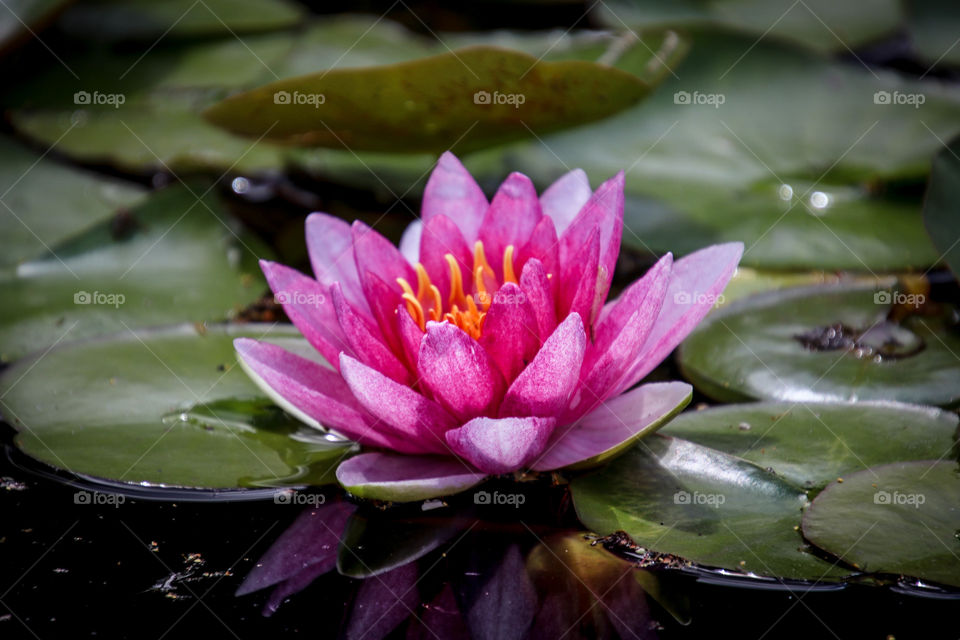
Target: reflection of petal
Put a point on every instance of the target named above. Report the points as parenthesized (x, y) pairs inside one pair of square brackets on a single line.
[(441, 618), (311, 541), (497, 595), (383, 602)]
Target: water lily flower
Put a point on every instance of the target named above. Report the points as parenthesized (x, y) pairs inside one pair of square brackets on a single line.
[(484, 343)]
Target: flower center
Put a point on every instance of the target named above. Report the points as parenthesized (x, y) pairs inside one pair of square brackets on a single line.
[(467, 311)]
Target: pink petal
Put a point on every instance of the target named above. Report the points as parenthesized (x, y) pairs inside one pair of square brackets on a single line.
[(375, 254), (511, 218), (545, 386), (616, 315), (440, 237), (697, 280), (309, 306), (367, 345), (330, 245), (543, 246), (404, 413), (501, 445), (410, 241), (622, 338), (563, 199), (615, 425), (410, 336), (539, 291), (603, 211), (383, 306), (458, 372), (311, 392), (452, 191), (382, 476), (578, 287), (511, 334)]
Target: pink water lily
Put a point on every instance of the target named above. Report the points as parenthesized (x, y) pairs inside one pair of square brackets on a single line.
[(484, 344)]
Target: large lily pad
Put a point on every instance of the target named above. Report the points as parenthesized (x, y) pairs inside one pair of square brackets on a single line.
[(163, 407), (900, 518), (175, 258), (779, 346), (470, 98), (812, 444), (940, 205), (42, 202), (677, 497), (107, 20), (819, 24)]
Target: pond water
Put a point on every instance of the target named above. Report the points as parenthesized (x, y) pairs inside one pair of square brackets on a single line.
[(77, 563)]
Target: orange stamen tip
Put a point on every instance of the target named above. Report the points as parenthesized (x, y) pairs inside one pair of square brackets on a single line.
[(508, 274), (423, 281)]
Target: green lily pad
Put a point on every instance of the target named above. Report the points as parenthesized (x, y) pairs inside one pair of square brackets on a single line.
[(819, 24), (19, 17), (940, 205), (933, 28), (165, 407), (901, 518), (113, 20), (677, 497), (812, 444), (748, 282), (42, 203), (470, 98), (172, 259), (371, 546), (786, 345)]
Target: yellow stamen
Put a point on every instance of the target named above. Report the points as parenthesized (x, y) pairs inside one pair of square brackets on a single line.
[(480, 258), (413, 305), (423, 282), (508, 274), (456, 279), (437, 303), (482, 294)]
